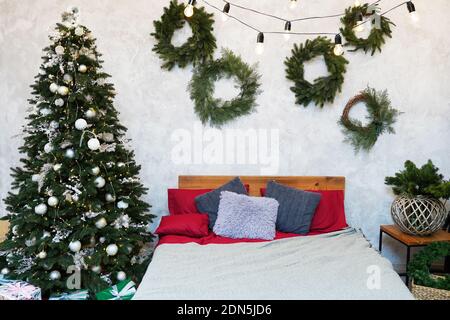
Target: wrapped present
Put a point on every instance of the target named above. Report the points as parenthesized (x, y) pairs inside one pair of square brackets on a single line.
[(75, 295), (19, 290), (124, 290)]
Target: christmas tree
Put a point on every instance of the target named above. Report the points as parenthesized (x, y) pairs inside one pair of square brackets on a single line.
[(77, 207)]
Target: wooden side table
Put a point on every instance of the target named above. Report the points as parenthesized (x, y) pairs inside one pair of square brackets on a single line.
[(411, 241)]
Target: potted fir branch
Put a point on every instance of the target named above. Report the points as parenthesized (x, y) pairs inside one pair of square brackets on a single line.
[(418, 208)]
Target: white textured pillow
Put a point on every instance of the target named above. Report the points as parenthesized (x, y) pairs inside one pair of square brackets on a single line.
[(241, 216)]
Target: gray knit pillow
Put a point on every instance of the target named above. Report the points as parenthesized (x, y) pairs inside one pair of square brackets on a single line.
[(209, 202), (241, 216), (297, 207)]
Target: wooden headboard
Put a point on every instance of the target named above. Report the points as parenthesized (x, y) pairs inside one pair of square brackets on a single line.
[(257, 182)]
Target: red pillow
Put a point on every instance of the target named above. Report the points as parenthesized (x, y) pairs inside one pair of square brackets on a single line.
[(190, 225), (330, 213), (182, 201)]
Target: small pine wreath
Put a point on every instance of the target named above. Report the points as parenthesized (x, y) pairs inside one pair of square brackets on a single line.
[(419, 267), (381, 28), (324, 89), (382, 116), (197, 49), (216, 111)]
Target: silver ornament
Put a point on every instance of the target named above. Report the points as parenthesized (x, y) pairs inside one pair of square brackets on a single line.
[(55, 275)]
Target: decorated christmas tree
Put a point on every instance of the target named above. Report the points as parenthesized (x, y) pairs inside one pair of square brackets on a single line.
[(76, 209)]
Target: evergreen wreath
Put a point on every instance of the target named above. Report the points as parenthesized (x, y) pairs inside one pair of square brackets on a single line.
[(382, 116), (216, 111), (377, 35), (197, 49), (419, 267), (323, 89)]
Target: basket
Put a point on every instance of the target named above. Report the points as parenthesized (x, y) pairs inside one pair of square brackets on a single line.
[(428, 293)]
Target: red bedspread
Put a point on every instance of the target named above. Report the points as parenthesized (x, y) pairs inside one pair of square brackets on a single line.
[(213, 238)]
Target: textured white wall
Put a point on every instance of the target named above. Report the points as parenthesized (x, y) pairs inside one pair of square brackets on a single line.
[(414, 66)]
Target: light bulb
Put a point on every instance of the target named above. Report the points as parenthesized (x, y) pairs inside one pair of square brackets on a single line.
[(293, 4), (189, 10), (338, 50), (287, 36), (412, 11), (414, 16), (357, 3), (287, 30), (260, 44), (224, 17)]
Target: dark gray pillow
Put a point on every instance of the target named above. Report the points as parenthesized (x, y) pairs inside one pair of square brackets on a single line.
[(209, 202), (297, 207)]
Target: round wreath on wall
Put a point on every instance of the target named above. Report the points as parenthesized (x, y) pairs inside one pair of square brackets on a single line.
[(216, 111), (381, 28), (381, 115), (324, 89), (197, 49)]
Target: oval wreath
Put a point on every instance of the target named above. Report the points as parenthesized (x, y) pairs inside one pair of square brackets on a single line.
[(419, 267), (216, 111), (197, 49), (381, 115), (377, 35), (323, 89)]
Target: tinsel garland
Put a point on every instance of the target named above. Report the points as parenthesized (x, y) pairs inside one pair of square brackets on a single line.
[(324, 89), (197, 49), (216, 111)]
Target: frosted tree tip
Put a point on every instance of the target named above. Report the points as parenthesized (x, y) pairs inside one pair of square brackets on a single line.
[(70, 16)]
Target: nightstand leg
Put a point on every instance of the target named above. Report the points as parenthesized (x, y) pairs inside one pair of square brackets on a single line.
[(408, 256), (380, 242), (447, 264)]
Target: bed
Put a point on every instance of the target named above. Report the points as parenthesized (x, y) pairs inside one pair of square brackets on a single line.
[(332, 265)]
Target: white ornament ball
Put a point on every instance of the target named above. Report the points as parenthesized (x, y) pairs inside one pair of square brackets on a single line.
[(121, 275), (90, 113), (59, 50), (48, 148), (42, 255), (35, 177), (80, 124), (82, 68), (53, 87), (5, 271), (93, 144), (40, 209), (57, 167), (102, 239), (63, 90), (99, 182), (101, 223), (122, 205), (67, 78), (112, 249), (54, 124), (79, 31), (109, 197), (96, 269), (95, 171), (59, 102), (52, 201), (55, 275), (70, 153), (75, 246)]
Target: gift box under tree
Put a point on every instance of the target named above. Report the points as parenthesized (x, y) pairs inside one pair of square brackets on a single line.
[(18, 290), (74, 295), (124, 290)]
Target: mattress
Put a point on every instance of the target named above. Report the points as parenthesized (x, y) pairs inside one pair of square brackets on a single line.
[(338, 265)]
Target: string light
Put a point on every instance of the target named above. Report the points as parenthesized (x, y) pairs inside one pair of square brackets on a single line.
[(189, 10), (338, 48), (260, 44), (226, 10), (293, 4), (357, 4), (412, 11), (287, 29)]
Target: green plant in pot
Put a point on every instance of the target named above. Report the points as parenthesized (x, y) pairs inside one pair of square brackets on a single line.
[(418, 208)]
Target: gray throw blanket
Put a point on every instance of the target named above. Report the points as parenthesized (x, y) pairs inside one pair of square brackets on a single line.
[(339, 265)]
